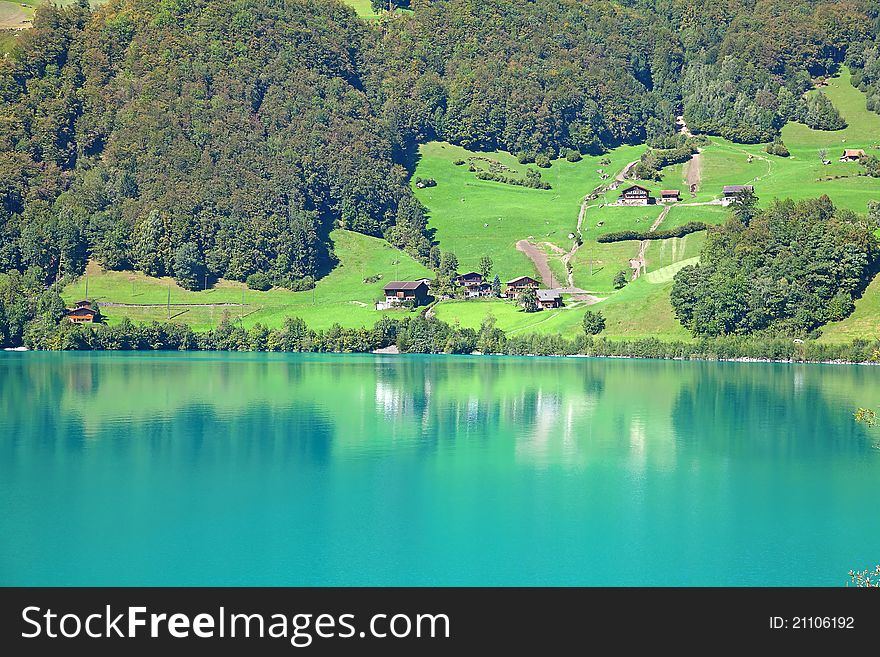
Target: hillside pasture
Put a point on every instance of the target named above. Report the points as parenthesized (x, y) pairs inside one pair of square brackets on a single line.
[(473, 217), (340, 297)]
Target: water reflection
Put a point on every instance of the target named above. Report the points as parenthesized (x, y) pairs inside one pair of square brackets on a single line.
[(531, 411)]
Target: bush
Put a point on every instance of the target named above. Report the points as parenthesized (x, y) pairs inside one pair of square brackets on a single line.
[(458, 163), (573, 156), (777, 148), (621, 278), (259, 281), (525, 157), (594, 322), (678, 231), (543, 161)]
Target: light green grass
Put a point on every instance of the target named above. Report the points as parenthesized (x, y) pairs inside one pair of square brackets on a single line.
[(473, 218), (661, 254), (667, 273), (595, 265), (364, 9), (802, 175), (617, 218), (641, 310), (864, 321), (681, 213), (341, 297)]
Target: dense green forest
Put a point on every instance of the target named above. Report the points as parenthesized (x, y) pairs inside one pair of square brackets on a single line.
[(225, 138), (789, 268)]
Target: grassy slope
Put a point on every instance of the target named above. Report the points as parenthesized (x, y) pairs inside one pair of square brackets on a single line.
[(339, 297), (473, 217), (640, 310)]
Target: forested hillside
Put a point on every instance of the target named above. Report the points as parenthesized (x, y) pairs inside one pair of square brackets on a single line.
[(220, 138)]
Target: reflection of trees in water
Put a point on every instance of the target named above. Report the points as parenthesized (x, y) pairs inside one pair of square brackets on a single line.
[(533, 404), (763, 409), (167, 409)]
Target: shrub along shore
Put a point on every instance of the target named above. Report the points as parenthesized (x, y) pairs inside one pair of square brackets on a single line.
[(421, 335)]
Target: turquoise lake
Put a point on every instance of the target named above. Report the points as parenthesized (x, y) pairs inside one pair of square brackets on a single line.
[(276, 469)]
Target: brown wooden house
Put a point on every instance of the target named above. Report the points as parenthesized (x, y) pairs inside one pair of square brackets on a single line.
[(474, 285), (729, 193), (852, 155), (82, 313), (670, 196), (517, 285), (400, 292), (636, 195), (549, 299)]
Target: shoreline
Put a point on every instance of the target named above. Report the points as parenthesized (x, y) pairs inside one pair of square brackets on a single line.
[(394, 351)]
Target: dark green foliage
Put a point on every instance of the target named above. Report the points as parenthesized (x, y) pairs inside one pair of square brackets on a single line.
[(593, 322), (532, 179), (745, 206), (245, 130), (795, 267), (528, 299), (777, 148), (259, 281), (871, 164), (664, 152), (542, 161), (250, 129), (864, 61), (620, 279), (492, 74), (525, 157), (496, 286), (573, 156), (23, 302), (677, 231), (486, 265), (490, 338), (821, 114), (189, 266)]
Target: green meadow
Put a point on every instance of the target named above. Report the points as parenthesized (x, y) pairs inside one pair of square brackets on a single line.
[(340, 297), (473, 217)]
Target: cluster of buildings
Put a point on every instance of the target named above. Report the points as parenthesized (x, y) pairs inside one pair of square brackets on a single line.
[(417, 293), (638, 195)]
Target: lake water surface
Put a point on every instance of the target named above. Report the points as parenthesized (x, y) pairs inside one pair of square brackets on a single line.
[(270, 469)]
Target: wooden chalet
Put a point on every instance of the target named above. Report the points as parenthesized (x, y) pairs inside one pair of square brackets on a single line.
[(474, 285), (82, 313), (636, 195), (729, 193), (852, 155), (399, 292), (549, 299), (670, 196), (517, 285)]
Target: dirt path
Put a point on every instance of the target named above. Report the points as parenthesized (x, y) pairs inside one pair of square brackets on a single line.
[(585, 205), (539, 259), (693, 172), (639, 262)]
